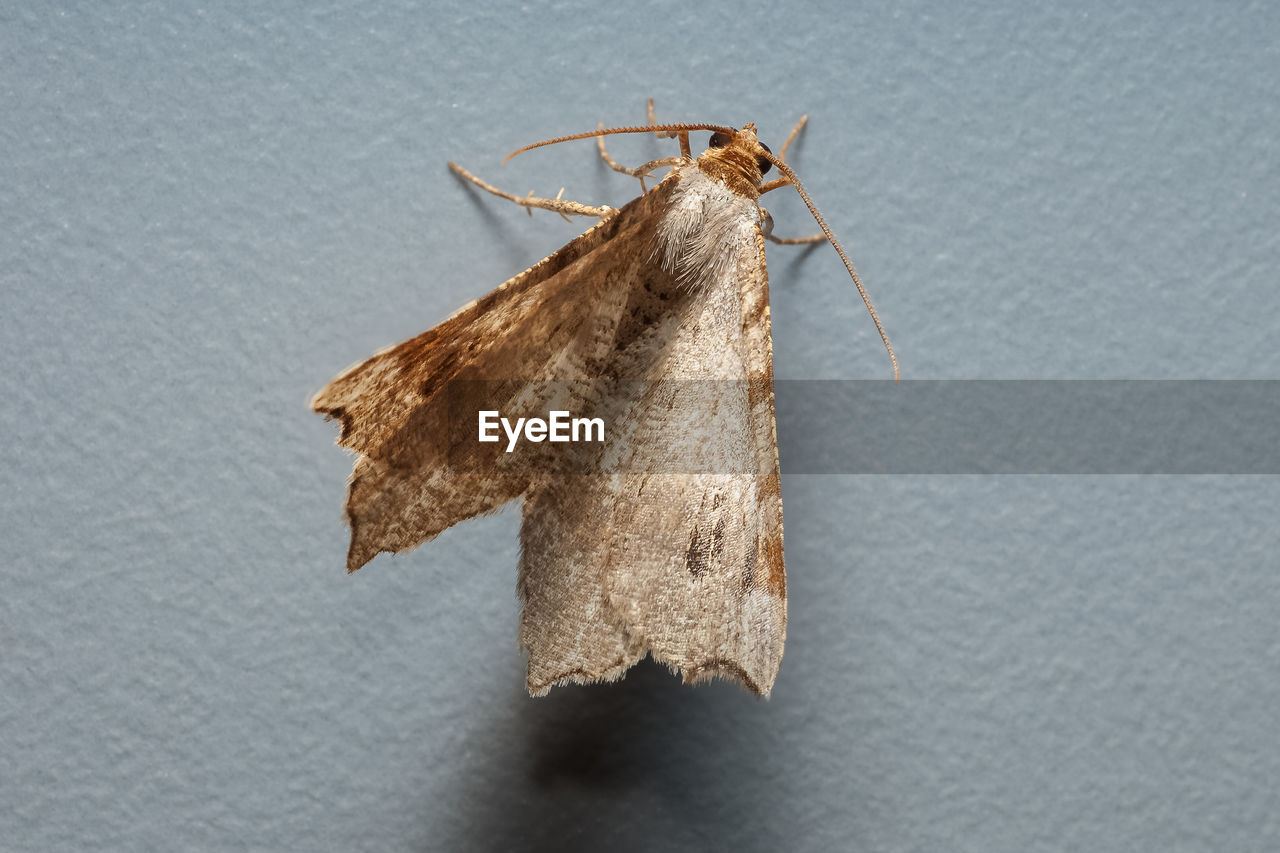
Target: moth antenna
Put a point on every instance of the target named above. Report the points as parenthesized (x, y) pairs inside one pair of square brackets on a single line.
[(649, 128), (835, 244)]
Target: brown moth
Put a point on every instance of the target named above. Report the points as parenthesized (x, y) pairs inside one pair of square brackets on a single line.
[(667, 539)]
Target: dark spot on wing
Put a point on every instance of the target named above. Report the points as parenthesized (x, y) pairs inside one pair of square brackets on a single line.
[(717, 538), (705, 546), (749, 568), (695, 555)]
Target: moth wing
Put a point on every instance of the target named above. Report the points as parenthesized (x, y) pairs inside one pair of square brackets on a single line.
[(416, 475), (676, 549)]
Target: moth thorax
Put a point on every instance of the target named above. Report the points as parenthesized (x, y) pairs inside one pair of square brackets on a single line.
[(734, 165), (704, 229)]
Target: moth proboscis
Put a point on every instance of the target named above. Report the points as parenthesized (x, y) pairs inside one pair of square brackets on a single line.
[(667, 539)]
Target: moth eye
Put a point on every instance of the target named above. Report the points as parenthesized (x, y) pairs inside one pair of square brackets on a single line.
[(719, 140), (764, 164)]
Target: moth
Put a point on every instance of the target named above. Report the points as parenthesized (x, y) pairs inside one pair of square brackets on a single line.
[(667, 539)]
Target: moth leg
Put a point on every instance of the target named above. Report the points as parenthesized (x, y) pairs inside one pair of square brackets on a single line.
[(766, 228), (784, 241), (663, 134), (783, 182), (796, 241), (791, 137), (782, 157), (617, 167), (681, 135), (557, 204), (639, 172)]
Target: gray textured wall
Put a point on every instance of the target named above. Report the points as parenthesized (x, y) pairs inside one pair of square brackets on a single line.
[(206, 211)]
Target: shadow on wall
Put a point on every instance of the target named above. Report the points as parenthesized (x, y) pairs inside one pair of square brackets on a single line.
[(645, 763)]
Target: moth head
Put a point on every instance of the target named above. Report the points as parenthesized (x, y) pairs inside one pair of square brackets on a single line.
[(737, 158), (741, 160)]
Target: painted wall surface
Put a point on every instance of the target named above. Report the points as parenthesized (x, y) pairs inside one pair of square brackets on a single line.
[(206, 211)]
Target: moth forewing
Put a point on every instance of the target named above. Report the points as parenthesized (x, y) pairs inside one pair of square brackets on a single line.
[(412, 482)]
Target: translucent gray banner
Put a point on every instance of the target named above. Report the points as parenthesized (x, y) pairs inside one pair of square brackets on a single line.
[(847, 427), (1029, 427)]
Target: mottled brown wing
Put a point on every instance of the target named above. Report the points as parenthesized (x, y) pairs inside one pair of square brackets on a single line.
[(675, 548), (556, 321)]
